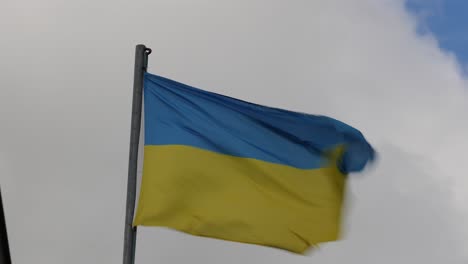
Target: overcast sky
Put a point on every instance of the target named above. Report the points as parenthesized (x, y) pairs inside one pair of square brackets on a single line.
[(66, 70)]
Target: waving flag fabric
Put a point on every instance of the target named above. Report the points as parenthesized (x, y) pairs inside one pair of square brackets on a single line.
[(224, 168)]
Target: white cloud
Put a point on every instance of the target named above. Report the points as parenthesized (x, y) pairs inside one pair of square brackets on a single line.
[(65, 111)]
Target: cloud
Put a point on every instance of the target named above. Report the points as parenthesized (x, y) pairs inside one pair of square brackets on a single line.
[(65, 113)]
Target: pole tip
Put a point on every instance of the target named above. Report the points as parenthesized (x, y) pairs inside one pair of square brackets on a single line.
[(143, 48)]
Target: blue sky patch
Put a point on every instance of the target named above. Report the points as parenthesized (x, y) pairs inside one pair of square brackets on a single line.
[(447, 20)]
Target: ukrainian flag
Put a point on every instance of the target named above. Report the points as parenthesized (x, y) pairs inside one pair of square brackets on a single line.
[(223, 168)]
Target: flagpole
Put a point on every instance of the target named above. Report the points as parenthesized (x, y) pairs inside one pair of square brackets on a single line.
[(5, 257), (141, 63)]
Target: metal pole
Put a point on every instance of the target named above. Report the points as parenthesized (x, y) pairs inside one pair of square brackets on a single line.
[(141, 63), (5, 257)]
